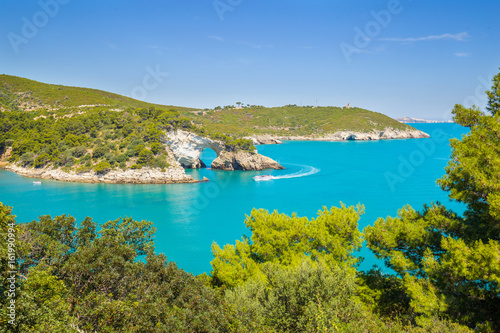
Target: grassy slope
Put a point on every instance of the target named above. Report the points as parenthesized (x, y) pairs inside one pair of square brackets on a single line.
[(23, 94), (293, 120)]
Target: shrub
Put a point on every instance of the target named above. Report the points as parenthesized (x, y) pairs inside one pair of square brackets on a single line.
[(145, 156), (138, 149), (102, 168), (100, 151), (27, 159), (122, 158), (111, 145), (160, 162), (156, 148), (41, 160), (79, 151), (66, 160)]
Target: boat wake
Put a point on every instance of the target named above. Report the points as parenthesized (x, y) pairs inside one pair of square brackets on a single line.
[(302, 173), (305, 171)]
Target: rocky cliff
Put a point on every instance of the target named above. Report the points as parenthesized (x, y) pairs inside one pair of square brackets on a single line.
[(244, 160), (187, 147), (388, 133), (172, 175), (264, 140)]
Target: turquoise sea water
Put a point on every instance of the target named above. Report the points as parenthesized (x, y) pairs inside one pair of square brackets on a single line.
[(382, 175)]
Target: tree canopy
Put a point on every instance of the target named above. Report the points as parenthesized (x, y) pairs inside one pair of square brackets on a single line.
[(90, 278), (450, 264)]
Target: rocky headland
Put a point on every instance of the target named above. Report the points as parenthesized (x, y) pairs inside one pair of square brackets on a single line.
[(184, 150), (244, 160), (386, 134), (172, 175), (187, 148)]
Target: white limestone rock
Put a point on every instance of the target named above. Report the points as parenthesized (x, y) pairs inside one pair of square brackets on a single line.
[(187, 147), (171, 175), (244, 160), (386, 134)]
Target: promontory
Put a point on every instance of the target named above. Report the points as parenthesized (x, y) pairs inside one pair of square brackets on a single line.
[(87, 135)]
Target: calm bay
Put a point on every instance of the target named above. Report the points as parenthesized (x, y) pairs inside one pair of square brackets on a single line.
[(382, 175)]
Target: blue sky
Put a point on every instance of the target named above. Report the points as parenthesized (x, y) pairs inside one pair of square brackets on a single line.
[(402, 58)]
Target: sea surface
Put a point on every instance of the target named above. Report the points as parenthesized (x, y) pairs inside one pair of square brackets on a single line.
[(382, 175)]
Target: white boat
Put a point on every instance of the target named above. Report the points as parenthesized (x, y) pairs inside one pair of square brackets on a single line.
[(37, 182), (264, 177)]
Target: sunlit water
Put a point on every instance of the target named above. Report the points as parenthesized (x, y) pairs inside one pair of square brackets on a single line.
[(382, 175)]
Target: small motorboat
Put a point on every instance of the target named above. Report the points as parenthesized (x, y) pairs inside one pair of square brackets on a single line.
[(37, 182), (264, 177)]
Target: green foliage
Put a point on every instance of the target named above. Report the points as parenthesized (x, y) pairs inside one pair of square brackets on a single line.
[(99, 151), (41, 141), (145, 156), (450, 264), (27, 159), (288, 240), (138, 149), (156, 148), (102, 167), (292, 120), (83, 277), (160, 162), (41, 160), (16, 90), (306, 298), (44, 304), (494, 96)]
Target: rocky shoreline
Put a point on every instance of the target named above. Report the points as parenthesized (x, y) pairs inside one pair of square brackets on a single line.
[(387, 134), (172, 175), (245, 161), (187, 147)]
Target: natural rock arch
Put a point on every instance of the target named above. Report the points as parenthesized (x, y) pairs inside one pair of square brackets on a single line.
[(187, 147)]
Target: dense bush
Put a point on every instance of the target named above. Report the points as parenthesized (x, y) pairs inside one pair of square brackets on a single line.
[(102, 167), (39, 139), (89, 278)]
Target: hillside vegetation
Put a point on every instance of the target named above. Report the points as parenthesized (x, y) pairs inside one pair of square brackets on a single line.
[(293, 274), (82, 130), (22, 94), (293, 120)]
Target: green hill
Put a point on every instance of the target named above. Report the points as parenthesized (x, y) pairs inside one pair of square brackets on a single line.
[(82, 129), (293, 120), (18, 93)]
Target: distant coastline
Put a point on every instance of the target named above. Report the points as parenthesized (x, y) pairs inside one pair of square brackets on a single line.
[(172, 175), (408, 120), (387, 134)]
